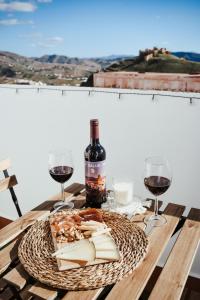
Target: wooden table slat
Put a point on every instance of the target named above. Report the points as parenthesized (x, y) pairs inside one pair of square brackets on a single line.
[(17, 277), (175, 210), (12, 230), (194, 214), (9, 254), (179, 261), (25, 294), (43, 291), (6, 294), (3, 284), (83, 295), (132, 286)]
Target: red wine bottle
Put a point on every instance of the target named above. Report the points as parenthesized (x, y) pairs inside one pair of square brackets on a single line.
[(95, 177)]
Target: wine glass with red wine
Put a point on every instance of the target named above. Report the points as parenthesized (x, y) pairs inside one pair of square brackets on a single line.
[(157, 179), (61, 169)]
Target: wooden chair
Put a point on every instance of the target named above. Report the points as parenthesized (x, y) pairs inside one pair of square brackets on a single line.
[(9, 182)]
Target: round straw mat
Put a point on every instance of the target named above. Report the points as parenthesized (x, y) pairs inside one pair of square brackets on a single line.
[(36, 248)]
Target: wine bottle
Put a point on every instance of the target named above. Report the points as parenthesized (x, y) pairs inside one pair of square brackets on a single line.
[(95, 177)]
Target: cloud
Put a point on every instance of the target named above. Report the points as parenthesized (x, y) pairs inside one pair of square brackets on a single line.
[(50, 42), (55, 39), (44, 45), (44, 1), (32, 35), (37, 39), (13, 22), (17, 6)]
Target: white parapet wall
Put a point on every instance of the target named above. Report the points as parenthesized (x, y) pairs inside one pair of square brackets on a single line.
[(132, 127)]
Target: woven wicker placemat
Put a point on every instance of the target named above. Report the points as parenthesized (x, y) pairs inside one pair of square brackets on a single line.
[(36, 247)]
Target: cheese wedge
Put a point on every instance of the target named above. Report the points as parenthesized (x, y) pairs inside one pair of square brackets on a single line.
[(69, 247), (109, 245), (83, 251), (92, 223), (103, 237), (108, 254), (91, 227), (100, 232)]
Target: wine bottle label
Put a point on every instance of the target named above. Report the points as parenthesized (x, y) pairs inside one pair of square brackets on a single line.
[(95, 177)]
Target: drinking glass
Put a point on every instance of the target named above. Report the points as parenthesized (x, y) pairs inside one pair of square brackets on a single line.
[(157, 179), (61, 168)]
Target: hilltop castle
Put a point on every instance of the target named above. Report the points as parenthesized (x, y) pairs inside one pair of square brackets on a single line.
[(150, 53)]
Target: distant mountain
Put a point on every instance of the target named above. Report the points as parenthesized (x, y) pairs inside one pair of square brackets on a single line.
[(103, 61), (58, 59), (191, 56), (106, 61), (113, 57)]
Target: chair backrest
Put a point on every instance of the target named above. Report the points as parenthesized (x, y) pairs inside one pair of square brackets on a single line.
[(9, 182)]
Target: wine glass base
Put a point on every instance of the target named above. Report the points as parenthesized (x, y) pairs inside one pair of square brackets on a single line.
[(155, 220), (61, 204)]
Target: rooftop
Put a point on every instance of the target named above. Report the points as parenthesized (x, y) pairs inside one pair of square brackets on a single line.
[(132, 127)]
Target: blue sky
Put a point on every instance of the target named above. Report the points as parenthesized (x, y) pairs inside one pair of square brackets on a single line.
[(90, 28)]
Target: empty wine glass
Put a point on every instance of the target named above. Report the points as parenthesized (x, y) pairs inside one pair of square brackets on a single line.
[(61, 168), (157, 179)]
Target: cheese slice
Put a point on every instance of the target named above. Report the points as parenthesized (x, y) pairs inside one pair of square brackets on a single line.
[(108, 254), (103, 237), (91, 222), (84, 251), (100, 232), (69, 247), (108, 245), (91, 227)]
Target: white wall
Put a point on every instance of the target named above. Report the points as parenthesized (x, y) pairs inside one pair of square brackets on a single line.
[(132, 128)]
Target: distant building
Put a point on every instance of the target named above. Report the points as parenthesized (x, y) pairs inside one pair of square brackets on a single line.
[(148, 81), (150, 53)]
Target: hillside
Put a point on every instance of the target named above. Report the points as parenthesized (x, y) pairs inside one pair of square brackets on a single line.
[(160, 60), (50, 69), (191, 56), (46, 70)]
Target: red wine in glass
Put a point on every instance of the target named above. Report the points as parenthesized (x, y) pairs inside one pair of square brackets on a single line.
[(157, 185), (61, 170), (157, 179), (61, 173)]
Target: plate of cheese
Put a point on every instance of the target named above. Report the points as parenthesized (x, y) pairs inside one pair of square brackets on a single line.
[(81, 239), (82, 249)]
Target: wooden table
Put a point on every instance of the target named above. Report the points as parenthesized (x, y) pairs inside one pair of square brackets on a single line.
[(15, 283)]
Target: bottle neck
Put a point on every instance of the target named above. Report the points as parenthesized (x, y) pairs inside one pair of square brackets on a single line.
[(94, 133), (94, 141)]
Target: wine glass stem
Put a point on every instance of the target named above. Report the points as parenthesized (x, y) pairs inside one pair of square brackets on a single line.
[(156, 207), (62, 192)]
